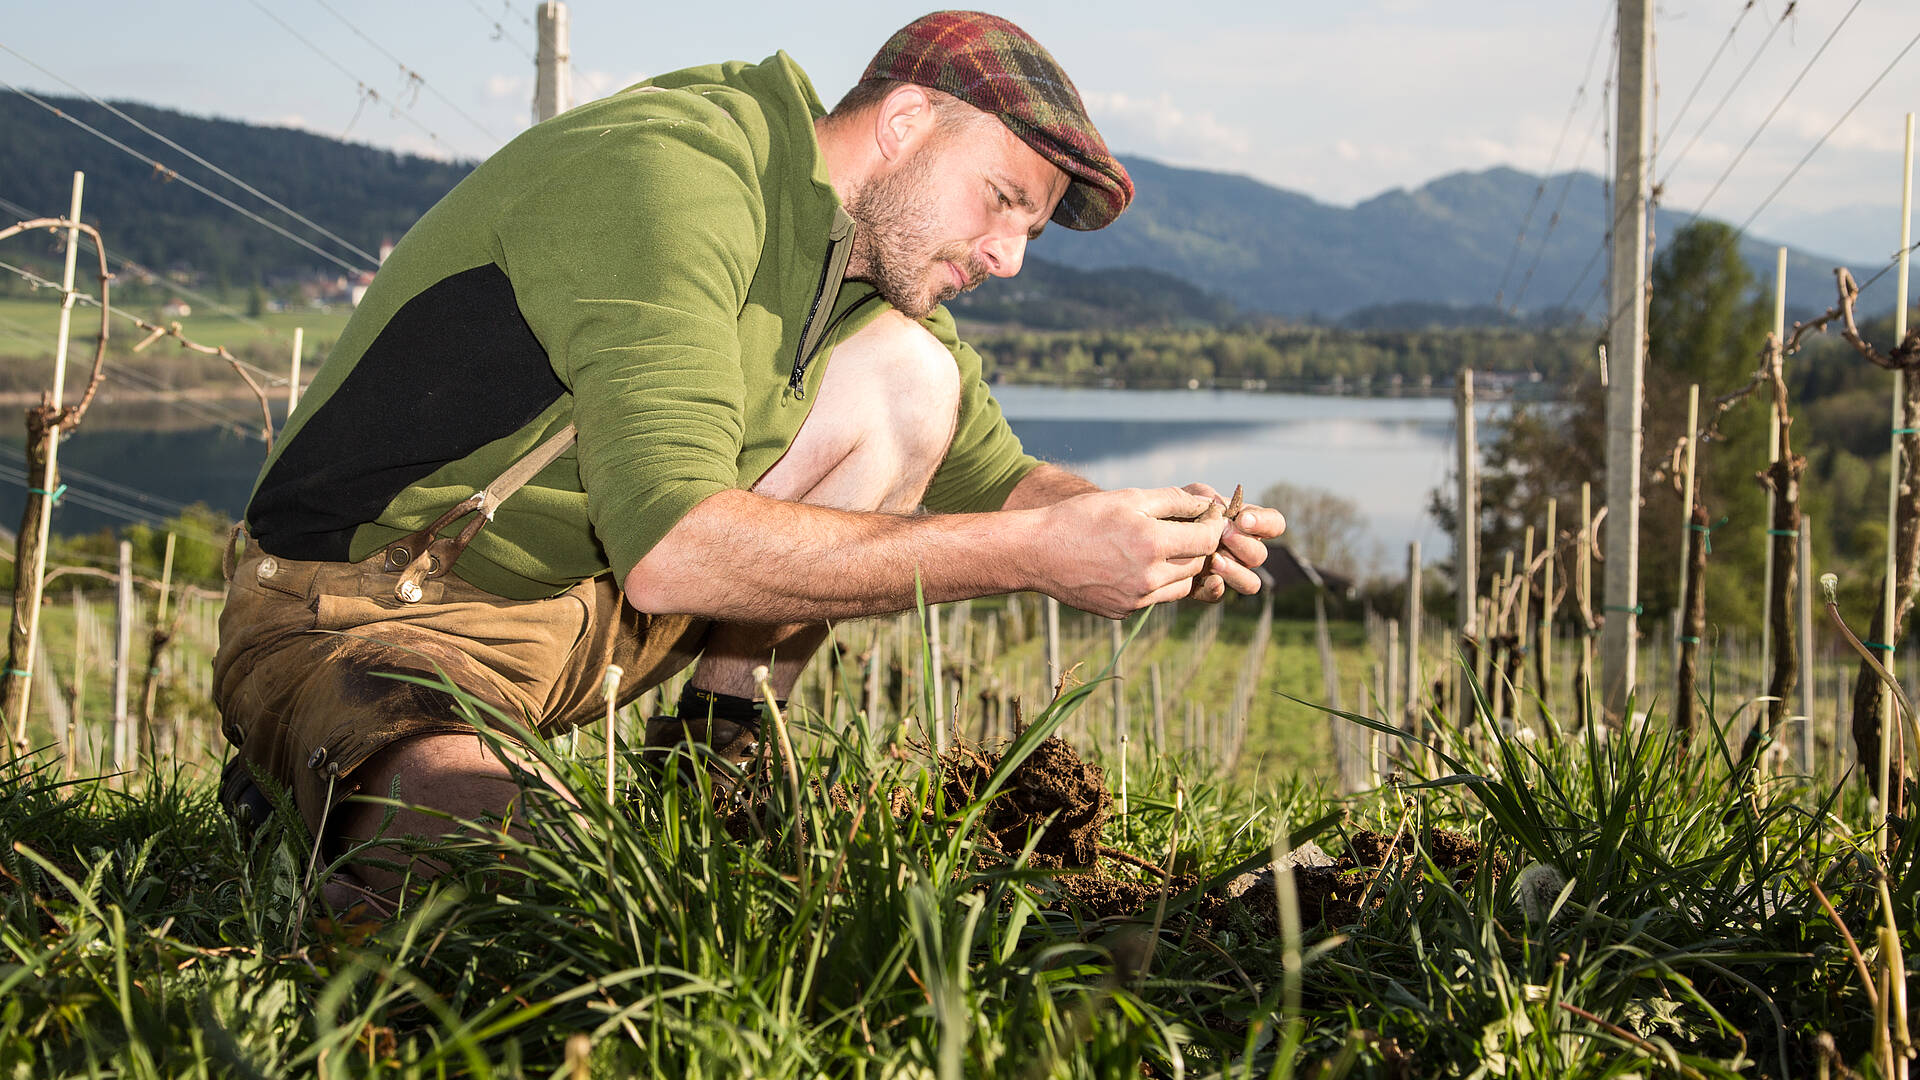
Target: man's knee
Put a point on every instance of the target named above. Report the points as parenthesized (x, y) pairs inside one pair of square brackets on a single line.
[(910, 378)]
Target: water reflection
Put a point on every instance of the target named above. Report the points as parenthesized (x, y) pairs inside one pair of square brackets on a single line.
[(1384, 453), (144, 461)]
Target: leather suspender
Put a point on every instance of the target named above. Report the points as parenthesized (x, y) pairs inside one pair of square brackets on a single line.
[(426, 554)]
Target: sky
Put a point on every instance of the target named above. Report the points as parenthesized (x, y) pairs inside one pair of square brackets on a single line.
[(1339, 101)]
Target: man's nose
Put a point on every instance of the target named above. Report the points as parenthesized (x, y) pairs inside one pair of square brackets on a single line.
[(1003, 255)]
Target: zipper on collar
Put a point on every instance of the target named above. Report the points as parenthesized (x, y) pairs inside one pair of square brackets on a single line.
[(832, 272)]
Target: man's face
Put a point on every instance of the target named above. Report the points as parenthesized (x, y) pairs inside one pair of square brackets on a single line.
[(958, 208)]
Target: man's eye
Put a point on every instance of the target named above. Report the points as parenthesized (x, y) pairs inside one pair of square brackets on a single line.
[(1002, 196)]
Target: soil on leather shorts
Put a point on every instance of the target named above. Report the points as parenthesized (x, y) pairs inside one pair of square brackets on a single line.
[(303, 676)]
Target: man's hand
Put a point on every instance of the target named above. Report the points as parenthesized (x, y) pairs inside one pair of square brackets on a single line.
[(1242, 547), (1115, 552)]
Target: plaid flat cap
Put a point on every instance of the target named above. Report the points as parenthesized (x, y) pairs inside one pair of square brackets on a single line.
[(996, 67)]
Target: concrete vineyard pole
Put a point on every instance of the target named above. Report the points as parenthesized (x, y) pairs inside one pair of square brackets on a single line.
[(553, 77), (1626, 353), (30, 561)]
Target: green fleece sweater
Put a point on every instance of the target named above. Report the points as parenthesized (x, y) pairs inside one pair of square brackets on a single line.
[(662, 268)]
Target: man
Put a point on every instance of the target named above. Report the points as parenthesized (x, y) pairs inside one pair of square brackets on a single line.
[(668, 376)]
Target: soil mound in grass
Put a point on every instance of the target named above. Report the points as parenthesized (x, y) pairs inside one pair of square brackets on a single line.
[(1052, 793), (1331, 891)]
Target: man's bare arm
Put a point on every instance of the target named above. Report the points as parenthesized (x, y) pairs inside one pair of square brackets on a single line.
[(747, 558), (1045, 486)]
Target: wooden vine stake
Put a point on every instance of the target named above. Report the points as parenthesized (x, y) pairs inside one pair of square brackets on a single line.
[(47, 422), (160, 634)]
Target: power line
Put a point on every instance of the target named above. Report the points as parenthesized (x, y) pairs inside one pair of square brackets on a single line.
[(367, 93), (1707, 71), (203, 162), (1804, 158), (1560, 203), (500, 31), (38, 282), (111, 507), (1776, 110), (113, 488), (1728, 94), (1579, 94), (174, 174), (413, 77), (122, 263)]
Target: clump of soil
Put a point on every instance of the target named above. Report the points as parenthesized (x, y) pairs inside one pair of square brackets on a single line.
[(1331, 891), (1051, 783)]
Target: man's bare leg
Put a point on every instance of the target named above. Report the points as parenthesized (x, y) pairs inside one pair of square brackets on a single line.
[(879, 427)]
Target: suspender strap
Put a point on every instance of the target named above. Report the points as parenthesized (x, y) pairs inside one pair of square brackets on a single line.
[(426, 554)]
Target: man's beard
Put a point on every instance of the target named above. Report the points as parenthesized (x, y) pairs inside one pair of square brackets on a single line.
[(893, 243)]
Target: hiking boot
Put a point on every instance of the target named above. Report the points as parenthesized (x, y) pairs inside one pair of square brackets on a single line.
[(732, 750)]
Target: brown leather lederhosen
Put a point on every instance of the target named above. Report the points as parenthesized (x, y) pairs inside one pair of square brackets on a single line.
[(302, 675)]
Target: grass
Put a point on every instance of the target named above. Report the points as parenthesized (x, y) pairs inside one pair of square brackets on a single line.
[(1645, 909)]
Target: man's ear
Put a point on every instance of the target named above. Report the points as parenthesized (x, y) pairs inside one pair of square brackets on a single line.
[(902, 121)]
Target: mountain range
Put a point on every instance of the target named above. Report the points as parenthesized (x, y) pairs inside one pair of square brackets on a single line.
[(1213, 245)]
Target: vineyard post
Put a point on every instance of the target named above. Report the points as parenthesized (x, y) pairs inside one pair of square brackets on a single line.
[(1392, 695), (1804, 556), (1583, 678), (1522, 627), (293, 372), (1691, 443), (43, 446), (1159, 712), (159, 634), (1782, 480), (1626, 352), (936, 676), (81, 632), (1053, 646), (122, 656), (1548, 606), (1889, 601), (1120, 712), (1773, 456), (1466, 538)]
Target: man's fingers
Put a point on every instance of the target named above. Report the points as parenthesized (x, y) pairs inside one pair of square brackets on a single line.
[(1263, 522), (1234, 575), (1172, 503), (1187, 539), (1206, 490), (1246, 550)]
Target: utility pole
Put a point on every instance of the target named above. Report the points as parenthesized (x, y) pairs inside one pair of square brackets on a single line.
[(553, 79), (1626, 355)]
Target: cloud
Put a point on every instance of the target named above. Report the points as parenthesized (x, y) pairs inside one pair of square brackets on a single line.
[(1158, 127), (507, 87), (589, 84)]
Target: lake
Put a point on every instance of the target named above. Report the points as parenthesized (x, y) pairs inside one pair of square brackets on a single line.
[(142, 461)]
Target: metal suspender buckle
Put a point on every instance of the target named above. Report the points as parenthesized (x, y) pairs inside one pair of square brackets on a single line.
[(426, 554)]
